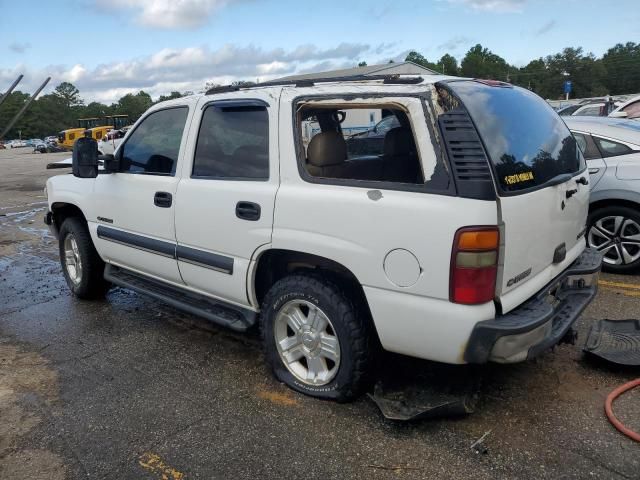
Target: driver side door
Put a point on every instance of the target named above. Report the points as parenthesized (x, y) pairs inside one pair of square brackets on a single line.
[(134, 225)]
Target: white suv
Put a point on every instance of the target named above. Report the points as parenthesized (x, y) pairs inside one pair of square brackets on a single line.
[(460, 240)]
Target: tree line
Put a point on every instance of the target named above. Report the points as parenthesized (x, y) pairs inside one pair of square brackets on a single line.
[(616, 72)]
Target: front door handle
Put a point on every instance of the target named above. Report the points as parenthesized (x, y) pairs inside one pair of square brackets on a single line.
[(162, 199), (248, 211)]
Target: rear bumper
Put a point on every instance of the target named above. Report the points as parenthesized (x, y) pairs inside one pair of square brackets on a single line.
[(541, 321)]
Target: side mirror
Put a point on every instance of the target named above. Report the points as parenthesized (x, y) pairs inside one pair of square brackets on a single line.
[(84, 162), (111, 163), (619, 114)]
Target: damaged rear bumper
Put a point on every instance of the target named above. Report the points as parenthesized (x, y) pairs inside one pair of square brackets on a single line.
[(542, 321)]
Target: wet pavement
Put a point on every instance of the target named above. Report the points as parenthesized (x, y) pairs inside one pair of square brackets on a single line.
[(130, 388)]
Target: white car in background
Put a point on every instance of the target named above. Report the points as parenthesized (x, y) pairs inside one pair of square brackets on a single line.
[(611, 147), (629, 109), (17, 144), (109, 143)]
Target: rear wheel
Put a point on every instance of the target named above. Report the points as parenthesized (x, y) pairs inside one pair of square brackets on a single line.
[(314, 338), (82, 267), (615, 231)]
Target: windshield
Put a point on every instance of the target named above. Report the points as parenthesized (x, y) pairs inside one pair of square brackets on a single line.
[(527, 142)]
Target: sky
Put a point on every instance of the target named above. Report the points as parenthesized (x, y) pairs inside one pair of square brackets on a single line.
[(108, 48)]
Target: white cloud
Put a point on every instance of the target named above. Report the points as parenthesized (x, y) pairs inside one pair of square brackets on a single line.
[(190, 68), (168, 14), (493, 5)]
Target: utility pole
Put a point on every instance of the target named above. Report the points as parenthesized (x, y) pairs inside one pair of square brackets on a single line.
[(8, 92), (23, 109)]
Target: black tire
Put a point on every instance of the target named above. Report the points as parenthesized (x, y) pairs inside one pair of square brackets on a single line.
[(595, 240), (351, 327), (91, 283)]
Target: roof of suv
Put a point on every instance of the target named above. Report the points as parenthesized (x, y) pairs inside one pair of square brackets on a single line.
[(381, 83)]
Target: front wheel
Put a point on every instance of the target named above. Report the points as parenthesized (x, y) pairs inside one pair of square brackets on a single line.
[(314, 338), (615, 231), (82, 267)]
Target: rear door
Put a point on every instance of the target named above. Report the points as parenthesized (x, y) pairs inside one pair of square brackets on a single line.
[(226, 196), (538, 171), (595, 163)]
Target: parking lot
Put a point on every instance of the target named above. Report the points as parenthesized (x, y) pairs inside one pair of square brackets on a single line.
[(130, 388)]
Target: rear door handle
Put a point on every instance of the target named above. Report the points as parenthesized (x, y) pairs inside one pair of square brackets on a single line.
[(248, 211), (162, 199)]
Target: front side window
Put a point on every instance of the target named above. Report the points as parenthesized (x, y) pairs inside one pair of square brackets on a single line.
[(609, 148), (153, 147), (233, 143)]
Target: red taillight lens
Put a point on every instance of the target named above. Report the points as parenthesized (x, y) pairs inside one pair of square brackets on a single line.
[(474, 265)]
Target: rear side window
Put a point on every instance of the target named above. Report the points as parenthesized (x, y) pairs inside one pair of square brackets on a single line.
[(589, 112), (233, 143), (527, 142), (372, 143), (153, 147), (609, 148), (633, 110), (587, 146)]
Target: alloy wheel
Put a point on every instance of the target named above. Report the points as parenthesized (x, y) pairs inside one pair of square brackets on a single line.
[(72, 260), (307, 342), (618, 238)]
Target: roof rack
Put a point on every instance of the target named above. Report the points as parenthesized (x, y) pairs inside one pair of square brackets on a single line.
[(310, 82)]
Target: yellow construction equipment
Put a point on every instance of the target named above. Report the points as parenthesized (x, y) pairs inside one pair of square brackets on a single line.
[(68, 137)]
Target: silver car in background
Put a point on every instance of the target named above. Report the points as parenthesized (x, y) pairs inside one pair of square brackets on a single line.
[(611, 147)]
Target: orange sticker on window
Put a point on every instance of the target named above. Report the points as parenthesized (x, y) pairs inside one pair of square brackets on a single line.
[(518, 178)]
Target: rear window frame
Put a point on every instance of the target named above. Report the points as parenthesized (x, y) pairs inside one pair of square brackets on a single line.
[(424, 100), (500, 191)]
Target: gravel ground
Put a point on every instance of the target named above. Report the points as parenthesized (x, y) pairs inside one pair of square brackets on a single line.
[(129, 388)]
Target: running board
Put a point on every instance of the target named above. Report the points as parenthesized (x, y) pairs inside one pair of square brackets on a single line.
[(230, 316)]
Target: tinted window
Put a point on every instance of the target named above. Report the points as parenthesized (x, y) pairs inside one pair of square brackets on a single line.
[(233, 142), (587, 146), (568, 110), (526, 140), (609, 148), (633, 110), (153, 147), (589, 111)]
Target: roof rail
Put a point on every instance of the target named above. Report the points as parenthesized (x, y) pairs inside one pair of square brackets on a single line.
[(310, 82)]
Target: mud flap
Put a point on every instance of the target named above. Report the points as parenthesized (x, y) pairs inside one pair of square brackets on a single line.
[(437, 392), (617, 341)]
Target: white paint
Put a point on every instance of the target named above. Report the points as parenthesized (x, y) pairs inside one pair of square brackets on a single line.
[(402, 267)]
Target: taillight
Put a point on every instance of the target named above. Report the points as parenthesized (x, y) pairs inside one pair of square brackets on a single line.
[(474, 265)]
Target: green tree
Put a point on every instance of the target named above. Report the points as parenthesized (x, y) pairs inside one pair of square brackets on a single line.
[(362, 64), (420, 59), (448, 65), (481, 62), (134, 105), (96, 109), (622, 64), (69, 93), (171, 96)]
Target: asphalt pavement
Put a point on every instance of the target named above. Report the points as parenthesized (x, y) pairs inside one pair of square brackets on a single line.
[(130, 388)]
